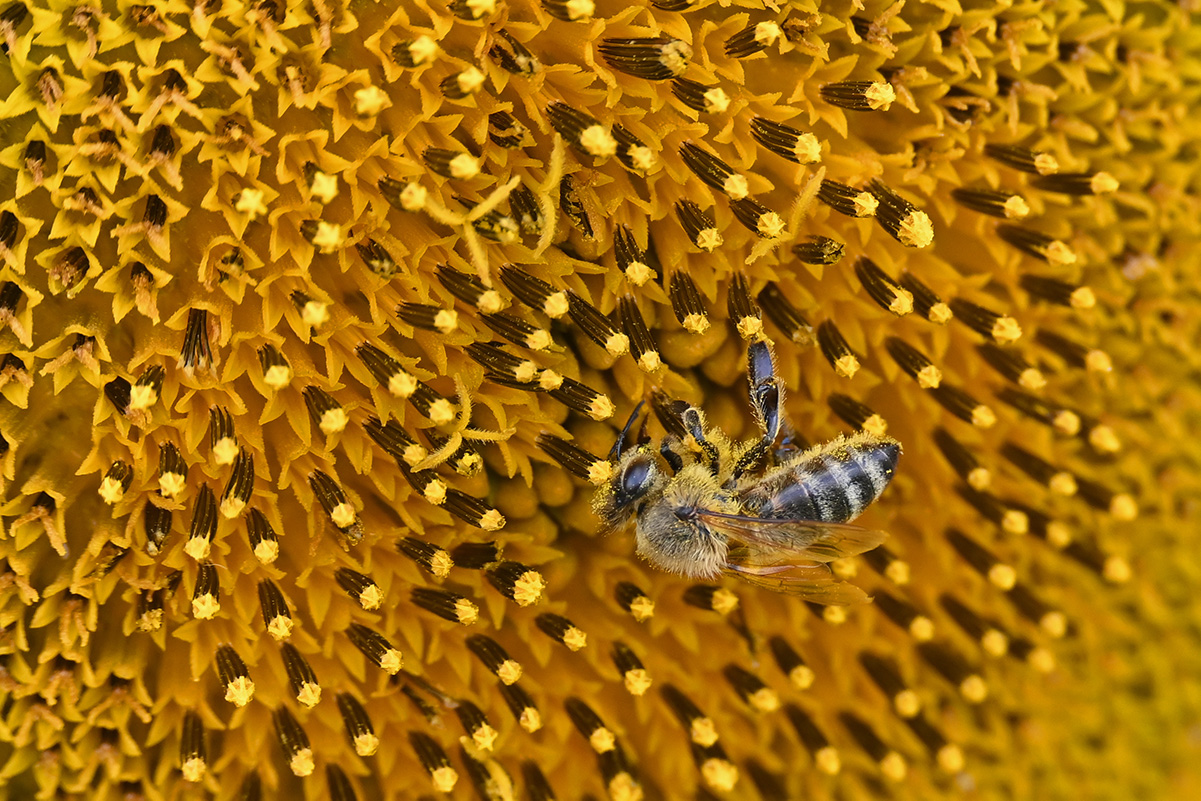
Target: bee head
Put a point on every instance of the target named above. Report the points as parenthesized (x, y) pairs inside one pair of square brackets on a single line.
[(637, 476)]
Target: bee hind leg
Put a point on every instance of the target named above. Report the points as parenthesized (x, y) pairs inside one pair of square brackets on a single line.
[(766, 404), (694, 424), (667, 451)]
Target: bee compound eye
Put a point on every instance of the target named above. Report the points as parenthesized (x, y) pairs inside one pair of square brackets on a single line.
[(634, 478)]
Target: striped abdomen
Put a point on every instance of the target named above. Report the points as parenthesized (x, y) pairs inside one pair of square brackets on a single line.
[(831, 483)]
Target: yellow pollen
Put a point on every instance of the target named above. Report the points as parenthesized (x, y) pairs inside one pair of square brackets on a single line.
[(1063, 484), (414, 455), (444, 778), (441, 563), (994, 643), (526, 371), (251, 203), (277, 377), (1066, 423), (898, 572), (239, 691), (643, 158), (650, 361), (597, 141), (638, 273), (172, 484), (492, 520), (481, 8), (193, 769), (446, 320), (876, 425), (929, 377), (442, 411), (372, 597), (771, 225), (808, 149), (111, 490), (617, 344), (370, 100), (880, 96), (709, 239), (1002, 576), (464, 165), (531, 719), (902, 302), (1046, 164), (950, 758), (893, 767), (1059, 536), (845, 569), (142, 397), (1041, 660), (413, 197), (1055, 624), (315, 313), (602, 740), (1098, 361), (435, 492), (637, 681), (624, 788), (267, 551), (916, 230), (391, 662), (719, 774), (642, 609), (599, 472), (1059, 254), (309, 695), (696, 323), (1083, 298), (921, 628), (343, 515), (736, 187), (906, 703), (232, 507), (846, 366), (528, 589), (466, 612), (197, 548), (802, 676), (324, 186), (469, 80), (1102, 183), (1123, 508), (767, 33), (1016, 207), (602, 408), (334, 421), (865, 204), (280, 627), (1116, 570), (750, 328), (675, 57), (724, 602), (1015, 522), (205, 607), (225, 451), (366, 744), (484, 737), (538, 339), (1006, 331), (940, 314), (702, 731), (983, 417), (1032, 379), (828, 761), (555, 305), (574, 638), (764, 699), (716, 101), (973, 689), (580, 10)]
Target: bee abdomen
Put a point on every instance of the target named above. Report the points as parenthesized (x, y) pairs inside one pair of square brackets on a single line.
[(832, 483)]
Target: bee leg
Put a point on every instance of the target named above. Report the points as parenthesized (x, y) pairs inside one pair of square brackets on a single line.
[(615, 452), (670, 456), (694, 424), (766, 406)]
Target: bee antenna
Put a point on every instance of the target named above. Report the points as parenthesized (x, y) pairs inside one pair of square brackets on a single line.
[(618, 446)]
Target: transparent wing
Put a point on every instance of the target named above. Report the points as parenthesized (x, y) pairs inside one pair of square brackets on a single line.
[(770, 541), (816, 583)]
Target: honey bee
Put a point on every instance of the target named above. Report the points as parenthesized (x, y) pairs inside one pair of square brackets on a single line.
[(767, 513)]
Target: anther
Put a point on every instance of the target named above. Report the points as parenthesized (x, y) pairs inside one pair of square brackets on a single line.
[(635, 601), (819, 250), (892, 765), (905, 616), (562, 630), (457, 86), (505, 130), (445, 604), (359, 728), (240, 487), (1001, 328), (403, 195), (1078, 183), (277, 373), (596, 326), (1024, 159), (686, 303), (654, 59), (633, 154), (589, 724), (928, 304), (996, 203), (522, 706), (495, 658), (785, 316), (753, 39), (887, 293), (857, 415), (699, 97), (206, 594), (714, 172), (451, 163), (883, 673), (434, 760), (584, 132), (1037, 244), (642, 346), (859, 95), (196, 351), (204, 524), (908, 225), (847, 199), (335, 503), (193, 753), (570, 205), (232, 672), (294, 742), (376, 648), (520, 584), (414, 52), (751, 689), (757, 218), (276, 614), (699, 226), (301, 677), (836, 350), (800, 675)]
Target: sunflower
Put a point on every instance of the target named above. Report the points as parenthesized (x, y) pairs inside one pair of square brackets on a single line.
[(318, 319)]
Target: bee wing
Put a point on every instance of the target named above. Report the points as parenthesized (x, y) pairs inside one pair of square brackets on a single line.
[(775, 541), (816, 583)]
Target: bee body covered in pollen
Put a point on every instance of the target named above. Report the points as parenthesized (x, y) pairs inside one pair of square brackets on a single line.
[(760, 509)]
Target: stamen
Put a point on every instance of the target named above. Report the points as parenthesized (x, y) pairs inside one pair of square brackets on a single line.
[(526, 210), (891, 764), (1062, 292), (905, 616), (655, 59), (699, 97), (569, 11), (360, 587), (522, 706), (914, 362), (884, 674), (633, 674), (857, 415), (570, 205), (962, 461), (378, 260), (713, 171), (204, 524), (263, 540), (999, 574), (576, 460), (358, 725), (534, 292), (477, 555), (642, 346), (751, 689), (517, 59), (701, 729), (907, 224), (847, 199), (562, 630), (157, 523), (744, 312), (1075, 354), (376, 648), (447, 605), (196, 352), (234, 676), (435, 761), (1001, 328), (1024, 159), (301, 677), (753, 39), (116, 483), (589, 724), (1010, 363), (1050, 621), (294, 742), (584, 132), (948, 756), (276, 615), (926, 302), (996, 203), (469, 289), (633, 600), (495, 658), (206, 593), (819, 250), (150, 610), (699, 226), (886, 292), (687, 305), (483, 736), (757, 218), (414, 52), (836, 350), (825, 756), (193, 754), (172, 471), (596, 326), (403, 196), (859, 95), (800, 675), (458, 86), (992, 640), (633, 154), (277, 373), (432, 557), (1078, 183), (335, 503), (1037, 244), (146, 390), (631, 260), (785, 316), (451, 163), (387, 371), (505, 130), (518, 583), (240, 487), (964, 406)]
